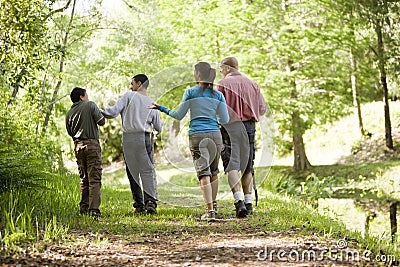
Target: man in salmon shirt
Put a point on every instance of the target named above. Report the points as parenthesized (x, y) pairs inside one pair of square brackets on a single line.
[(245, 105)]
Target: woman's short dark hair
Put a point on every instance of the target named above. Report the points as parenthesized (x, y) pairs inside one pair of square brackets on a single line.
[(76, 94), (143, 79)]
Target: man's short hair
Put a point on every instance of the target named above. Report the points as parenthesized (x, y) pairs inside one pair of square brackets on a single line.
[(76, 94), (143, 79)]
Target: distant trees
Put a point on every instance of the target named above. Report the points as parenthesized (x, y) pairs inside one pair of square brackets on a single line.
[(314, 60)]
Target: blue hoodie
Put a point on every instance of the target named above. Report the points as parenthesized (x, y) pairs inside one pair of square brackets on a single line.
[(207, 109)]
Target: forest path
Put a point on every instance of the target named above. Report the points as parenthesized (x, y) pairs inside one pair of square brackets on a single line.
[(245, 246)]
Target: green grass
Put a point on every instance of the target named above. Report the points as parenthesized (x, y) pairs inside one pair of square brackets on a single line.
[(274, 213), (282, 215)]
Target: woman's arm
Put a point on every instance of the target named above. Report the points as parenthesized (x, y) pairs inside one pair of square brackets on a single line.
[(178, 113)]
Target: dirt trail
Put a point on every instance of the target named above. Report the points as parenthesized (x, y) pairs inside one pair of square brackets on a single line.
[(181, 248)]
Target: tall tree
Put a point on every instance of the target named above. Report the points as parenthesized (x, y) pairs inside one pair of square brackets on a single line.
[(63, 55), (377, 14), (304, 69), (380, 7), (301, 161), (345, 12)]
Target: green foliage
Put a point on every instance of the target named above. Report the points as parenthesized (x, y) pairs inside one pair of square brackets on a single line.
[(30, 175), (18, 226), (315, 188), (356, 181), (21, 35), (19, 170), (111, 141), (26, 159), (299, 55), (25, 218)]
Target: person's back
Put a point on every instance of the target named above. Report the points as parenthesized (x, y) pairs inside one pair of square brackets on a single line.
[(138, 123), (136, 117), (246, 105), (81, 122), (205, 106), (243, 97)]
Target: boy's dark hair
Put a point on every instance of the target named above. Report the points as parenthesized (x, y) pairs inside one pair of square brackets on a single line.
[(143, 79), (76, 94)]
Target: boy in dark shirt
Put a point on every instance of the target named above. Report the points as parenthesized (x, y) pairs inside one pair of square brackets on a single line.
[(81, 123)]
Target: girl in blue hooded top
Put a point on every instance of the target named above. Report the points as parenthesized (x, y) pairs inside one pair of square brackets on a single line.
[(207, 110)]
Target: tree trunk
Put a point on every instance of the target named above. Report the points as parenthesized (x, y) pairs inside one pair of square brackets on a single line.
[(356, 101), (300, 158), (16, 87), (381, 60), (61, 70), (393, 220), (299, 152)]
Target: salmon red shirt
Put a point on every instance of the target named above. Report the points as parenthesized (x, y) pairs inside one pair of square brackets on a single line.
[(243, 97)]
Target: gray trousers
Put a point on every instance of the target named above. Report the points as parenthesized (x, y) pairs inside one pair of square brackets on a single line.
[(140, 167)]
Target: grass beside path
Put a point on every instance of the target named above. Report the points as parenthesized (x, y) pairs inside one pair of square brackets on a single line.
[(177, 237)]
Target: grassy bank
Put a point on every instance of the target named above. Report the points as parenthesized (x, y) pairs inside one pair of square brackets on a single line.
[(281, 215)]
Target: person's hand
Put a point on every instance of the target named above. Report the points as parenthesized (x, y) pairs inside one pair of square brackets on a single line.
[(153, 106)]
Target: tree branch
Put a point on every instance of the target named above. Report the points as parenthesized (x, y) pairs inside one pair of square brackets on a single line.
[(91, 30), (130, 6), (373, 50), (62, 9), (61, 68)]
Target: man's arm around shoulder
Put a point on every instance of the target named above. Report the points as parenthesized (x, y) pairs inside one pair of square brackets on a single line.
[(101, 122)]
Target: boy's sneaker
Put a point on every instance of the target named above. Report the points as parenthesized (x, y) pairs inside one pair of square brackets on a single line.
[(151, 207), (215, 207), (140, 210), (249, 208), (209, 216), (241, 210)]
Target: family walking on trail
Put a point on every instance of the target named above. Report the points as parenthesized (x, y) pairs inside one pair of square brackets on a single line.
[(222, 125)]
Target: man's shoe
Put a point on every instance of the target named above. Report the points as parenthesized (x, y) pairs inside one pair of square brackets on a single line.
[(241, 210), (151, 207), (215, 207), (140, 210), (95, 214), (249, 208), (209, 216)]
